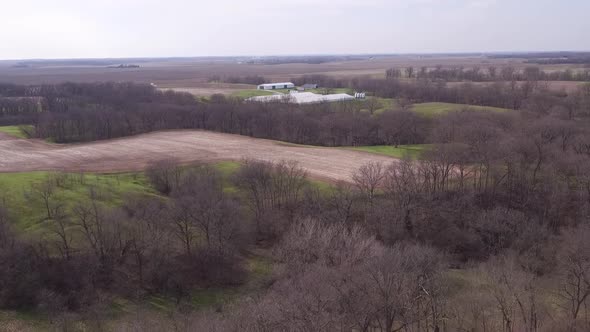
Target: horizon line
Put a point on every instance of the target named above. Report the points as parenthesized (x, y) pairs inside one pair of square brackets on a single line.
[(481, 53)]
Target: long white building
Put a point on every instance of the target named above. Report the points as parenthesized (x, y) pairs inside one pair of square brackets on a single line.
[(302, 98), (275, 86)]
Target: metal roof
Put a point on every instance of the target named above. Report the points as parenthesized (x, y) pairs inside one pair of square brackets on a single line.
[(273, 84), (303, 98)]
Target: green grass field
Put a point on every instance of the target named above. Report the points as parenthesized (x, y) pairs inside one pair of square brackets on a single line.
[(16, 131), (251, 93), (412, 151), (433, 109)]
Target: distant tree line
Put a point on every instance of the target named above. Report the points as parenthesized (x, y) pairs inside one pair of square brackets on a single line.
[(319, 59), (548, 57), (488, 74)]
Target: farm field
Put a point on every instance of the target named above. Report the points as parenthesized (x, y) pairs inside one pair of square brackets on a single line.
[(192, 74), (184, 146)]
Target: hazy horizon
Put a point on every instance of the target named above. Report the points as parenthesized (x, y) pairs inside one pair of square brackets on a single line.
[(68, 29), (302, 55)]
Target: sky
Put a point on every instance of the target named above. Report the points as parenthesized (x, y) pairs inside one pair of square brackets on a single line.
[(43, 29)]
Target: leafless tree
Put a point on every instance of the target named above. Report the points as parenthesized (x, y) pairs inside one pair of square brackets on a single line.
[(574, 258), (45, 190), (368, 178), (516, 293)]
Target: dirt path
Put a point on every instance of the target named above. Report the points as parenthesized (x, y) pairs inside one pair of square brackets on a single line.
[(186, 146)]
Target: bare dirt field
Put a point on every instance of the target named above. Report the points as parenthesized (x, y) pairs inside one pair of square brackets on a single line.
[(185, 146)]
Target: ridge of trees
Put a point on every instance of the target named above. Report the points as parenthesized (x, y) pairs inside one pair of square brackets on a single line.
[(85, 112)]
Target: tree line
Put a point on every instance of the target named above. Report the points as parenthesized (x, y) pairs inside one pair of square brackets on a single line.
[(488, 74), (86, 112)]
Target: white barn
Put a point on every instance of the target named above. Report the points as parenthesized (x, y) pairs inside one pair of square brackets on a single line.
[(275, 86)]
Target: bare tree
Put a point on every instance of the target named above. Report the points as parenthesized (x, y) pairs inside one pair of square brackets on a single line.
[(45, 190), (574, 258), (368, 178), (60, 227), (516, 293)]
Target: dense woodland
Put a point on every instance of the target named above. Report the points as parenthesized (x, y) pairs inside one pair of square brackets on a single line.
[(487, 231)]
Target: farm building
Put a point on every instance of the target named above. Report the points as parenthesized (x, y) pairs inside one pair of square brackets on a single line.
[(275, 86), (303, 98), (308, 86)]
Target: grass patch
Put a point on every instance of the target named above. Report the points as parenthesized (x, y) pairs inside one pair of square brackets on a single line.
[(323, 187), (227, 168), (27, 207), (17, 131), (412, 151), (433, 109), (251, 93)]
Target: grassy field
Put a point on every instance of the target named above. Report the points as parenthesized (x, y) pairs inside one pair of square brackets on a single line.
[(412, 151), (433, 109), (251, 93), (16, 131)]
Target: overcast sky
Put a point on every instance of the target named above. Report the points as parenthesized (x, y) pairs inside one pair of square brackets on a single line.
[(151, 28)]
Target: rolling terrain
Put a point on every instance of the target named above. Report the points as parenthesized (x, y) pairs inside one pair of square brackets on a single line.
[(185, 146)]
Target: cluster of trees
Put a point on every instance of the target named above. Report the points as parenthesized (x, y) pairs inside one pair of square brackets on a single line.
[(193, 235), (86, 112), (488, 74), (148, 245)]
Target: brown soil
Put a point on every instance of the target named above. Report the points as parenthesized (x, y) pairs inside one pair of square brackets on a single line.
[(185, 146)]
